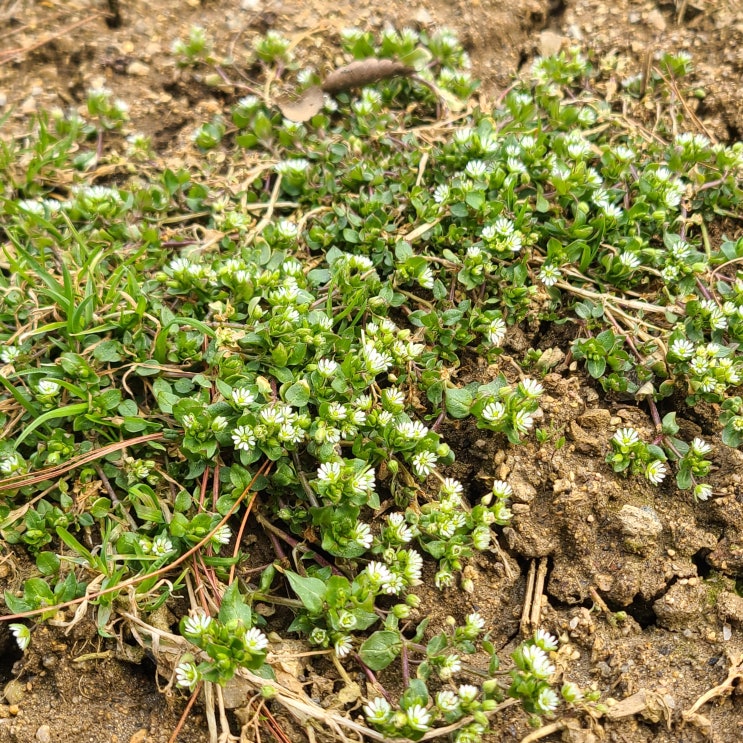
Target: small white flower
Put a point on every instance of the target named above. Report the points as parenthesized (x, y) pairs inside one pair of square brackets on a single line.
[(441, 194), (378, 573), (412, 430), (655, 472), (378, 710), (468, 693), (451, 664), (549, 275), (571, 692), (496, 331), (682, 348), (443, 579), (475, 620), (186, 674), (629, 260), (48, 387), (219, 423), (547, 701), (393, 399), (424, 463), (530, 388), (363, 482), (523, 421), (476, 168), (197, 624), (244, 438), (494, 412), (9, 354), (447, 701), (362, 535), (255, 641), (626, 437), (222, 535), (418, 718), (451, 488), (287, 229), (343, 646), (545, 640), (242, 397), (329, 472), (400, 530), (700, 447), (703, 492), (537, 660), (393, 585), (161, 546), (414, 567), (22, 635)]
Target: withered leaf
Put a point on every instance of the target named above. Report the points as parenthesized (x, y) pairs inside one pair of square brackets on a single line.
[(303, 108), (363, 72)]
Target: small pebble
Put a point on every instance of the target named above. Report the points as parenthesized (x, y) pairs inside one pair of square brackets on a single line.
[(44, 734)]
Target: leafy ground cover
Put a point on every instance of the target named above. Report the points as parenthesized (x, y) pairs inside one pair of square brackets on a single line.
[(270, 346)]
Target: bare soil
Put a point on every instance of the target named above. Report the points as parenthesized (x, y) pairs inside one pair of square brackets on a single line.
[(639, 582)]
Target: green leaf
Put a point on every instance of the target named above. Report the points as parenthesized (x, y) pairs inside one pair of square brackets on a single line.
[(66, 411), (416, 693), (47, 563), (670, 427), (596, 367), (233, 607), (298, 395), (458, 402), (310, 591), (380, 649)]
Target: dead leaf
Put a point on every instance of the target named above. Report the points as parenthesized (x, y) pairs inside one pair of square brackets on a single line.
[(363, 72), (305, 107)]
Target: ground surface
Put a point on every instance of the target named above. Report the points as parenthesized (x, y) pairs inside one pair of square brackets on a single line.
[(607, 546)]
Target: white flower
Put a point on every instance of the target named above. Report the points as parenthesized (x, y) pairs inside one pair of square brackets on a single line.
[(393, 399), (441, 194), (626, 437), (243, 438), (682, 348), (418, 718), (374, 361), (362, 535), (378, 710), (343, 646), (476, 168), (393, 585), (549, 275), (530, 388), (523, 421), (414, 567), (451, 664), (494, 412), (443, 579), (412, 430), (703, 492), (222, 535), (22, 635), (255, 641), (475, 620), (547, 701), (447, 701), (186, 674), (400, 530), (571, 692), (219, 423), (655, 472), (48, 387), (287, 229), (10, 463), (378, 573), (363, 481), (10, 354), (197, 624), (242, 397), (451, 487), (424, 463), (629, 260), (700, 447), (537, 660), (329, 472), (545, 640), (161, 546), (468, 693), (496, 331)]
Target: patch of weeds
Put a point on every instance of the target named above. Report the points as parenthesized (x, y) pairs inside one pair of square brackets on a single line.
[(181, 348)]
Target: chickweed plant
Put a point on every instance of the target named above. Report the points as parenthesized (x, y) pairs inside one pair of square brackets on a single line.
[(185, 349)]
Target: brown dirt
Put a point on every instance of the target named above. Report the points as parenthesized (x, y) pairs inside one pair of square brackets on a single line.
[(640, 582)]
